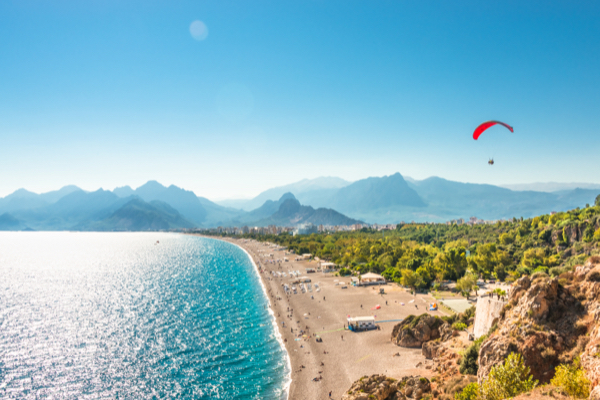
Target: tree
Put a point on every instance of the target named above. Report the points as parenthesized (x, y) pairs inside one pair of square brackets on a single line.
[(467, 283), (571, 379), (597, 202), (411, 279), (508, 380)]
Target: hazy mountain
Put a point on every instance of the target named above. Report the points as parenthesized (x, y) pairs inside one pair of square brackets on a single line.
[(269, 208), (25, 200), (291, 213), (449, 200), (198, 210), (71, 210), (124, 191), (391, 199), (21, 200), (184, 201), (138, 215), (314, 186), (10, 223), (388, 199), (54, 196), (218, 215), (551, 186), (376, 193)]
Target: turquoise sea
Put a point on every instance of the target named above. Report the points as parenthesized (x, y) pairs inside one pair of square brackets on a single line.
[(134, 316)]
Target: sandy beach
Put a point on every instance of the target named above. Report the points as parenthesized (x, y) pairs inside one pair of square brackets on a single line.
[(343, 356)]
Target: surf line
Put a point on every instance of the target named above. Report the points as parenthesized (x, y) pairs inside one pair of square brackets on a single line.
[(286, 387)]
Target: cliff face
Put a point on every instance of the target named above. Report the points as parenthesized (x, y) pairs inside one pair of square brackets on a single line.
[(590, 292), (487, 311), (548, 321)]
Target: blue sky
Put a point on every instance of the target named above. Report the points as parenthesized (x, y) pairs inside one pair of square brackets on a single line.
[(109, 93)]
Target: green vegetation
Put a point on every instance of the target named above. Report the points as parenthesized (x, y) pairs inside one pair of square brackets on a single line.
[(504, 381), (470, 392), (507, 380), (468, 362), (467, 283), (421, 255), (459, 326), (571, 379)]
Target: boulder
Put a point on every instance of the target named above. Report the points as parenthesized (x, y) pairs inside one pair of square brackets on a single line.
[(416, 330), (430, 349), (381, 387)]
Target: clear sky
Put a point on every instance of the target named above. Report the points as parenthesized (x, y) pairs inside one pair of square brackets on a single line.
[(229, 98)]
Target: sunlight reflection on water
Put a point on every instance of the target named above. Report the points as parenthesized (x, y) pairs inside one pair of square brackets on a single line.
[(116, 315)]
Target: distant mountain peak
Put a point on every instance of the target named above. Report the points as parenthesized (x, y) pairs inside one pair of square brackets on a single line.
[(288, 208), (124, 191), (21, 193), (287, 196), (154, 185)]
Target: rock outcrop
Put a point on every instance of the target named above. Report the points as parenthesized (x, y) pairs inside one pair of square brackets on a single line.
[(416, 330), (542, 322), (488, 311), (381, 387)]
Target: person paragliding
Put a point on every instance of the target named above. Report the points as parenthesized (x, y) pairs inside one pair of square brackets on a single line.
[(484, 126)]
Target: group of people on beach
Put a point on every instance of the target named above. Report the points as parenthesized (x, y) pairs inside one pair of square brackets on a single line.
[(300, 333)]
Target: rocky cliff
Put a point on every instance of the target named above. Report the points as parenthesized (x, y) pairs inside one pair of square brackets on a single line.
[(550, 321), (488, 310)]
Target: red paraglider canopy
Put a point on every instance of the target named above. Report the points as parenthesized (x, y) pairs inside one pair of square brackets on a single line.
[(481, 128)]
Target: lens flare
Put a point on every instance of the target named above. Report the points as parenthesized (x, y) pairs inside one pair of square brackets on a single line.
[(198, 30)]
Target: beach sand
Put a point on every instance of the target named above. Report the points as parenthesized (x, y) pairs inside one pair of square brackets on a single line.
[(343, 356)]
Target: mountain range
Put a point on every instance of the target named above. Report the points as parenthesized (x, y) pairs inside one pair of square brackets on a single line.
[(149, 207), (327, 201)]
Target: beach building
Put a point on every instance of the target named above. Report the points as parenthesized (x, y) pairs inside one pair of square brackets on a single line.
[(327, 267), (358, 324), (372, 279)]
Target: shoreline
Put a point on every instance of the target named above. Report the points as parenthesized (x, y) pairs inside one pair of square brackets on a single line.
[(288, 383), (342, 357)]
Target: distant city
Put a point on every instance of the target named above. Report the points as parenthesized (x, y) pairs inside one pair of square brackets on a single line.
[(309, 228)]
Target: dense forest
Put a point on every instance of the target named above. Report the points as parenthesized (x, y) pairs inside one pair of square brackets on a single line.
[(421, 255)]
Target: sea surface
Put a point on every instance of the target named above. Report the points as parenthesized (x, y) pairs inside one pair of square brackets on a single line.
[(134, 316)]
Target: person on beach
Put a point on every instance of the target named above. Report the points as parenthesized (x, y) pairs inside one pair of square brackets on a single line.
[(330, 394)]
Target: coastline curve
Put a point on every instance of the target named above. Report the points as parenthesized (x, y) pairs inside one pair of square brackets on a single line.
[(288, 383)]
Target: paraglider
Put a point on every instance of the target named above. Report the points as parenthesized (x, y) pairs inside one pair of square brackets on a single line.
[(482, 127)]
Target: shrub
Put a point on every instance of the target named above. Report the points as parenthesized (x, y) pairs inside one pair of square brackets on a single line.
[(468, 363), (539, 274), (459, 326), (508, 380), (470, 392), (571, 379)]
